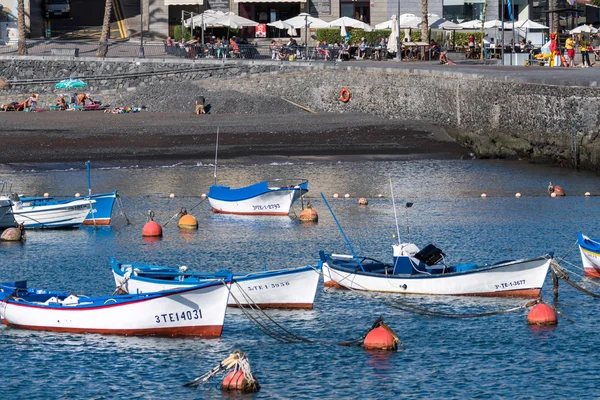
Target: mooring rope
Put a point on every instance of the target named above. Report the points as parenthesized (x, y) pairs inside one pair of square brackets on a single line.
[(122, 209), (238, 361), (183, 211), (279, 332), (561, 274)]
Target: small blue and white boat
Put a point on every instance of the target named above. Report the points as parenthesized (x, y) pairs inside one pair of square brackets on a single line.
[(192, 311), (590, 255), (99, 214), (264, 198), (283, 288)]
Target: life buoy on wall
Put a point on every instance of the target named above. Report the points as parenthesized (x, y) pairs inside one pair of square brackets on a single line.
[(345, 95)]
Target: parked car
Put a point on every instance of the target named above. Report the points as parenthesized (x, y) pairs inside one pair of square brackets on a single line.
[(58, 8)]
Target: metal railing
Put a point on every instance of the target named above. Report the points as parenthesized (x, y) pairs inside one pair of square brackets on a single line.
[(88, 48)]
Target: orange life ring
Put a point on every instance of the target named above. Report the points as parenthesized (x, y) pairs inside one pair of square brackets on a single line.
[(345, 95)]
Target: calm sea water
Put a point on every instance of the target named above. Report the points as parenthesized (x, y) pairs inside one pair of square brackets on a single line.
[(493, 357)]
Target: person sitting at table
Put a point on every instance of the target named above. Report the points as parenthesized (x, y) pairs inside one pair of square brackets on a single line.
[(324, 50), (273, 48), (292, 47), (235, 49), (362, 47), (434, 49), (281, 50), (344, 52)]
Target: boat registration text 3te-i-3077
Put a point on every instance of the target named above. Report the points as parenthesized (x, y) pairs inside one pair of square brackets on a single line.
[(266, 207), (79, 207), (269, 286), (510, 284), (178, 316)]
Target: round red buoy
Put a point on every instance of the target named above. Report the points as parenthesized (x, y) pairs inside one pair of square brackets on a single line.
[(188, 221), (152, 229), (233, 381), (309, 214), (542, 314), (380, 339), (559, 191), (11, 235)]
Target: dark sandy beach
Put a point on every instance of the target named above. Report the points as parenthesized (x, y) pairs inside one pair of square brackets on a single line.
[(54, 136)]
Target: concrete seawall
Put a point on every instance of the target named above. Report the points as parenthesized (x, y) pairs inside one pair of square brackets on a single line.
[(535, 116)]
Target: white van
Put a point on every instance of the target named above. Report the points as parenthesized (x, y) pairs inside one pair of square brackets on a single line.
[(58, 8)]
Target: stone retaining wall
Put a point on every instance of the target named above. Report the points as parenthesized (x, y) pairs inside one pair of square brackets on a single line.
[(495, 118)]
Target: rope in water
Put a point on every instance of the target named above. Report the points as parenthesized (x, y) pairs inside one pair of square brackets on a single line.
[(122, 209), (236, 361), (183, 211), (562, 274), (266, 324)]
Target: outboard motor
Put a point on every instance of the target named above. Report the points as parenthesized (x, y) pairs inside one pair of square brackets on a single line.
[(430, 255)]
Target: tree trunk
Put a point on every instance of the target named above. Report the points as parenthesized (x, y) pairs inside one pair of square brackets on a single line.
[(424, 22), (103, 44), (22, 42), (553, 17)]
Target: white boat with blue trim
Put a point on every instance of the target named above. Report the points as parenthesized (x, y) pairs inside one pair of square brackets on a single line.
[(67, 214), (6, 218), (590, 255), (193, 311), (426, 272), (284, 288), (264, 198)]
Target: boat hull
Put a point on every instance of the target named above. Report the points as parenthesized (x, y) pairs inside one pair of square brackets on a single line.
[(102, 212), (64, 215), (590, 255), (259, 199), (288, 288), (197, 311), (522, 278), (6, 218)]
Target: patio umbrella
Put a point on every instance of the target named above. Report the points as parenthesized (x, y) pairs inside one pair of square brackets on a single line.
[(393, 39), (70, 84), (347, 22), (203, 19), (474, 24), (279, 24), (584, 29), (439, 23), (232, 20), (343, 32), (305, 20)]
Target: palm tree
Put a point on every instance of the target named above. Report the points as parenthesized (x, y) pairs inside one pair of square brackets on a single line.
[(22, 43), (103, 44), (424, 22)]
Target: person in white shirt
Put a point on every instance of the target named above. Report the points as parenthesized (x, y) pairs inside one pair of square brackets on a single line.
[(486, 46)]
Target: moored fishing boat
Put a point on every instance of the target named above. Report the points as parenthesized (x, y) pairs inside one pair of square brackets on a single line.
[(427, 273), (264, 198), (284, 288), (194, 311), (68, 214), (100, 214), (590, 255), (6, 218)]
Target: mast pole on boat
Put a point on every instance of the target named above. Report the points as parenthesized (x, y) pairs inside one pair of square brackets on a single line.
[(394, 205), (343, 234), (89, 176), (216, 154)]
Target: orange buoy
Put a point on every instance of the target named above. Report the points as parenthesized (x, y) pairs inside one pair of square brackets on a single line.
[(309, 214), (542, 314), (558, 190), (380, 339), (188, 221), (362, 201), (233, 381), (14, 234), (345, 95), (152, 228)]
